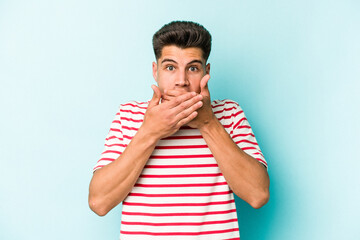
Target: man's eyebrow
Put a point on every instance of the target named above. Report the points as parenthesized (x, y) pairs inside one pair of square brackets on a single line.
[(168, 60), (195, 61)]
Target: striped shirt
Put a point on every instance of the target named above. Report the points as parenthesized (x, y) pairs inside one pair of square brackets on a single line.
[(181, 193)]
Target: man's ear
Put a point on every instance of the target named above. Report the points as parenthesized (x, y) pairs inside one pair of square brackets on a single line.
[(154, 70), (207, 68)]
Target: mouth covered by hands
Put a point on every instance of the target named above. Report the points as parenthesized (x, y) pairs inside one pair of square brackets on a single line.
[(204, 113)]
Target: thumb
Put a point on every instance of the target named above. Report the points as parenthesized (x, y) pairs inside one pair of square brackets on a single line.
[(156, 96), (203, 85)]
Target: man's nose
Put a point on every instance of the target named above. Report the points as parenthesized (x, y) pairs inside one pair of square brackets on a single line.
[(182, 79)]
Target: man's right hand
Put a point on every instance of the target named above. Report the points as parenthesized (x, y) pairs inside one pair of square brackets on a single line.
[(112, 183), (163, 120)]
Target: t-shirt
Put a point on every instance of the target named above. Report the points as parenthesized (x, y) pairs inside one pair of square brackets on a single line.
[(181, 192)]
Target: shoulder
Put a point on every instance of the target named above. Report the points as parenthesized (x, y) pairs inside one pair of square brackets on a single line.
[(132, 113), (132, 109), (226, 105), (134, 105), (227, 111)]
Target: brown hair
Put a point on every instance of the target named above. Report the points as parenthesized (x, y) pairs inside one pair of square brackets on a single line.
[(183, 34)]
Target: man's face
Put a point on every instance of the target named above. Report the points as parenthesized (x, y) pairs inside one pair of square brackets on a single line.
[(180, 69)]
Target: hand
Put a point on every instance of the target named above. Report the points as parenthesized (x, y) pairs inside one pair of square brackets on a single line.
[(162, 120), (205, 113)]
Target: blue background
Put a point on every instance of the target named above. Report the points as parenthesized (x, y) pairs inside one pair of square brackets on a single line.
[(65, 66)]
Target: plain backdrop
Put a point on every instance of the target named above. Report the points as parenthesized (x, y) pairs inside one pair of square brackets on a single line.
[(293, 66)]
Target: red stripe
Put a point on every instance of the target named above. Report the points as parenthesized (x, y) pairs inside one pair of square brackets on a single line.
[(226, 102), (179, 223), (220, 105), (116, 144), (112, 137), (181, 147), (182, 156), (247, 141), (259, 159), (180, 194), (182, 166), (230, 116), (106, 159), (252, 148), (129, 111), (243, 135), (128, 137), (240, 127), (180, 185), (225, 109), (131, 120), (133, 105), (240, 121), (116, 121), (245, 126), (178, 214), (177, 204), (141, 102), (233, 238), (130, 128), (182, 137), (112, 151), (181, 175), (258, 153), (179, 233), (228, 125), (248, 148)]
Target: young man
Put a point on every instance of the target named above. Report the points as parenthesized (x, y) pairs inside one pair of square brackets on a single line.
[(176, 160)]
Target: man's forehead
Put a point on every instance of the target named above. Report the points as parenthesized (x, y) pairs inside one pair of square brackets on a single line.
[(176, 54)]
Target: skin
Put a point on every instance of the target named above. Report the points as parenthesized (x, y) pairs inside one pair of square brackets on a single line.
[(181, 98)]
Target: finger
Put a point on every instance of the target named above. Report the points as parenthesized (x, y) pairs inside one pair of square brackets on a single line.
[(175, 101), (156, 96), (204, 90), (187, 108), (167, 97), (174, 92), (186, 120)]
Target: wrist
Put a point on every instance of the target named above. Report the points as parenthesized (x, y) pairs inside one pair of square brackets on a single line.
[(148, 136), (209, 125)]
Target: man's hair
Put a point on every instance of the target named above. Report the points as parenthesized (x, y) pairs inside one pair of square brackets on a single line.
[(183, 34)]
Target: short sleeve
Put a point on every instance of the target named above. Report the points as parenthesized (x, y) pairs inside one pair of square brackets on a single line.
[(114, 145), (243, 136)]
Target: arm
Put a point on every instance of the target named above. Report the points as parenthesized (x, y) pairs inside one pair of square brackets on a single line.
[(112, 183), (247, 178)]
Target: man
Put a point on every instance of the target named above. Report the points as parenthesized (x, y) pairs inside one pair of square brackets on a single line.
[(176, 160)]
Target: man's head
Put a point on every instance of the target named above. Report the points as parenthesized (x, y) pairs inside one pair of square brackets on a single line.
[(182, 34), (181, 51)]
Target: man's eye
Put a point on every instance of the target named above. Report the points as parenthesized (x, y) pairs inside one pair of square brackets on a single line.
[(170, 68), (192, 69)]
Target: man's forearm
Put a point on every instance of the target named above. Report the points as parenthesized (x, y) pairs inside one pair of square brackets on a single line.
[(112, 183), (247, 178)]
